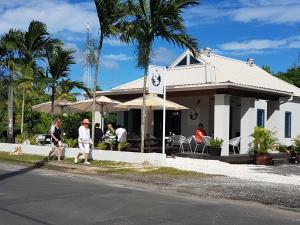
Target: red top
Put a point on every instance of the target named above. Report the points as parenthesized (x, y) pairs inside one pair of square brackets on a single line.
[(200, 133)]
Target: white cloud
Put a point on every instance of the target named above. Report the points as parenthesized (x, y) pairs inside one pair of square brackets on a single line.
[(291, 42), (163, 55), (264, 11), (109, 64), (59, 15), (114, 42), (78, 55), (118, 57)]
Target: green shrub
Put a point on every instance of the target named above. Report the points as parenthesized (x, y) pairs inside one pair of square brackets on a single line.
[(263, 141), (20, 138), (122, 146), (32, 140), (103, 145), (282, 148), (70, 142), (297, 144), (216, 142)]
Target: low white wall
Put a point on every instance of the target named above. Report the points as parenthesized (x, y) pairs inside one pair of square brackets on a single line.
[(116, 156)]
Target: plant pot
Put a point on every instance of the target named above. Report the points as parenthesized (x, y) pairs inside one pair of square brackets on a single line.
[(263, 160), (215, 151)]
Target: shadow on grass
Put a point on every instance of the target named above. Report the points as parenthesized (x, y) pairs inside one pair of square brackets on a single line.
[(37, 165)]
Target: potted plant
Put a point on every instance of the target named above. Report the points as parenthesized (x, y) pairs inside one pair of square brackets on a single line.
[(263, 142), (297, 149), (216, 146)]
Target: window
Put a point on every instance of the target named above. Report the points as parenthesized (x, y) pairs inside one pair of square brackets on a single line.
[(260, 118), (183, 62), (193, 60), (287, 124)]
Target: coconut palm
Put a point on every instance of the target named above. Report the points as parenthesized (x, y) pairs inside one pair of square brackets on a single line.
[(57, 73), (110, 15), (151, 19), (33, 47), (10, 62)]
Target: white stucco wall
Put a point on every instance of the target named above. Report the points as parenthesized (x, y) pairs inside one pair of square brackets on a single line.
[(199, 104)]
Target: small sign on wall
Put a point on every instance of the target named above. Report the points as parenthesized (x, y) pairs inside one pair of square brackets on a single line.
[(193, 116)]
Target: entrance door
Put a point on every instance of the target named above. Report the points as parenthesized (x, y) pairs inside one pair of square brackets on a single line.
[(173, 122)]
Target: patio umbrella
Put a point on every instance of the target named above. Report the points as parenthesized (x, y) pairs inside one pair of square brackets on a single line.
[(60, 106), (152, 101), (103, 104)]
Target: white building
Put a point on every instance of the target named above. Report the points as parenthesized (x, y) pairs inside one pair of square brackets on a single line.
[(230, 97)]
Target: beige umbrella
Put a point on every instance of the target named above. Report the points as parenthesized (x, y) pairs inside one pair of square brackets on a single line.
[(60, 107), (103, 104), (152, 101)]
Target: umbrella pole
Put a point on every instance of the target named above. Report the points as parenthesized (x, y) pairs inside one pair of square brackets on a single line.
[(164, 126)]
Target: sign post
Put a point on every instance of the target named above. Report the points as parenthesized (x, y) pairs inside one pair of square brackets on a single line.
[(157, 85)]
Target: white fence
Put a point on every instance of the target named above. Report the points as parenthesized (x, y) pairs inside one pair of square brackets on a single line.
[(116, 156)]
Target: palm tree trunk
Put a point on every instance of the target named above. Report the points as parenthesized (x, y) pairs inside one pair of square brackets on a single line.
[(144, 111), (52, 102), (22, 116), (10, 131), (95, 84)]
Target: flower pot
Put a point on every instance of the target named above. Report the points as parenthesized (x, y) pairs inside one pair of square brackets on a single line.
[(215, 151), (263, 160)]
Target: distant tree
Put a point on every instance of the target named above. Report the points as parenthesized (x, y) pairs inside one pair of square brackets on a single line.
[(267, 69), (292, 75)]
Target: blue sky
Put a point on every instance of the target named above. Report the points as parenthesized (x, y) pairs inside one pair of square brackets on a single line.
[(266, 30)]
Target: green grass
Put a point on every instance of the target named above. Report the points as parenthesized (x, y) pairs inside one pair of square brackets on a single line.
[(105, 167)]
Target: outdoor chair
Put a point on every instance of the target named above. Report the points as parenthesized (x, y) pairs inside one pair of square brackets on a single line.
[(234, 142), (205, 142), (180, 140)]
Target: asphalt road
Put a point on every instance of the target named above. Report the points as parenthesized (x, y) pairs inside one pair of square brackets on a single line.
[(53, 198)]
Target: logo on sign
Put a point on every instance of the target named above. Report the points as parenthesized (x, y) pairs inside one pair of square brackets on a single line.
[(156, 78)]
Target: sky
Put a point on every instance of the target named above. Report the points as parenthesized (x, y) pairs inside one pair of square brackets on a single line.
[(265, 30)]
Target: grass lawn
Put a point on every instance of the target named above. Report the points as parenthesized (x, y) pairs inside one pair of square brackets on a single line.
[(101, 167)]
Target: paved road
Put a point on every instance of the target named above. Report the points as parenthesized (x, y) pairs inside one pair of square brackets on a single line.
[(53, 198)]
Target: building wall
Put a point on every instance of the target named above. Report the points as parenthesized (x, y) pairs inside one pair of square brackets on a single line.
[(294, 108), (196, 104)]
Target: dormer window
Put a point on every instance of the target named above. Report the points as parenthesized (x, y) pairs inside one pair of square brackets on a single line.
[(193, 60), (188, 60)]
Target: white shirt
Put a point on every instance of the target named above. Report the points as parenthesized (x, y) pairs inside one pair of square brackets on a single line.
[(122, 134), (84, 135)]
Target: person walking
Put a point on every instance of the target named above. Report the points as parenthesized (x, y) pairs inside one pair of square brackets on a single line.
[(84, 141), (55, 133)]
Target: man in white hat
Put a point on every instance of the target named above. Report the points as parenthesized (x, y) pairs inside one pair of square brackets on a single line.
[(84, 141)]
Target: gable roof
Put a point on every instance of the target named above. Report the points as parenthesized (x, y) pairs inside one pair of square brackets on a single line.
[(215, 71)]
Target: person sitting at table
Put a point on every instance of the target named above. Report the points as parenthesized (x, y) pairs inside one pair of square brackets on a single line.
[(121, 134), (200, 133), (98, 134)]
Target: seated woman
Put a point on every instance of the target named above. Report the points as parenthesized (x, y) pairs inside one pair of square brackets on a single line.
[(200, 133)]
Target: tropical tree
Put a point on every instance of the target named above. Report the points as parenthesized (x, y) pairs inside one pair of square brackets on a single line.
[(110, 15), (59, 61), (10, 62), (151, 19), (292, 75), (33, 47)]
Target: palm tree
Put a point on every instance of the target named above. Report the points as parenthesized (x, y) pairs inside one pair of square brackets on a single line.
[(10, 62), (151, 19), (110, 15), (57, 72), (33, 47)]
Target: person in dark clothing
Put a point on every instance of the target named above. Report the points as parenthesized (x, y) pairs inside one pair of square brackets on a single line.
[(98, 134), (56, 139)]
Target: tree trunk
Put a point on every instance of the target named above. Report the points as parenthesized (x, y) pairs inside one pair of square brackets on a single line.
[(22, 116), (144, 111), (95, 85), (10, 131), (52, 102)]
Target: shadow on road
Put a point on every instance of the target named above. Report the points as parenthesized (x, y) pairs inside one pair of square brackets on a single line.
[(25, 216), (37, 165)]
